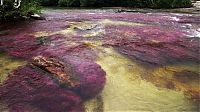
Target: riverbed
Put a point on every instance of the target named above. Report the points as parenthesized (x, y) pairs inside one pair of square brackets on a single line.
[(150, 58)]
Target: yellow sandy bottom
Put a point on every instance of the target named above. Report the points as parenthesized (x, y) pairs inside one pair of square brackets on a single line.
[(125, 91), (8, 64)]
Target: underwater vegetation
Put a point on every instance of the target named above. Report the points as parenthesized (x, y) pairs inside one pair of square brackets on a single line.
[(99, 60), (30, 88)]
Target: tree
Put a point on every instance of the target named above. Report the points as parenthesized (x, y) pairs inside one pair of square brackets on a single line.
[(89, 3), (69, 3), (16, 3), (18, 9)]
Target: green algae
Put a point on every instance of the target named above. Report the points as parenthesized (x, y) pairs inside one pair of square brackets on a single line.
[(7, 65)]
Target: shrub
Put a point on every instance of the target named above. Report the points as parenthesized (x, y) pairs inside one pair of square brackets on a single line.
[(88, 3), (7, 11), (132, 3), (182, 3), (171, 3), (136, 3), (49, 2), (69, 3), (30, 6), (119, 3)]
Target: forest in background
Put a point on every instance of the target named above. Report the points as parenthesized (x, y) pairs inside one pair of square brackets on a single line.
[(28, 7)]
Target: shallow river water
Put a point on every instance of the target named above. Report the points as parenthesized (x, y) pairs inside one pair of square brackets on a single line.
[(151, 59)]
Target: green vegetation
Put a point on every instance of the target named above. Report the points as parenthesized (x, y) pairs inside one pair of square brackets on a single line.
[(170, 3), (120, 3), (69, 3), (49, 2), (32, 6), (27, 7)]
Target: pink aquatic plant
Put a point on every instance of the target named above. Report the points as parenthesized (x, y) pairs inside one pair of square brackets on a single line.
[(27, 89), (153, 44)]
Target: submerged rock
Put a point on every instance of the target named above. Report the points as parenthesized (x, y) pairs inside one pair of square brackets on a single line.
[(182, 77), (91, 77), (48, 84), (85, 78), (154, 45), (37, 17), (56, 100)]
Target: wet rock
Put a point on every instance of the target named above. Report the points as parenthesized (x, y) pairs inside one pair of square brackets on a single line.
[(37, 17), (196, 4), (180, 78), (85, 26), (57, 69), (91, 77), (187, 76), (85, 78)]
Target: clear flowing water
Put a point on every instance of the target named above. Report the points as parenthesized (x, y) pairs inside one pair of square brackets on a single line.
[(125, 90), (7, 65)]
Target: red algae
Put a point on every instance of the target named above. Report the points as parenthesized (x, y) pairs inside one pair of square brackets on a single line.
[(153, 44), (91, 77), (27, 87)]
